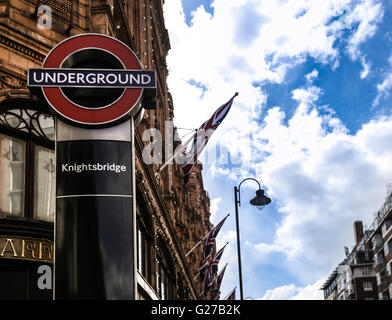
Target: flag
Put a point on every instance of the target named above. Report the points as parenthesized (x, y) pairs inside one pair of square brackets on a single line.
[(202, 136), (212, 270), (210, 239), (216, 284), (213, 267), (206, 284), (231, 295)]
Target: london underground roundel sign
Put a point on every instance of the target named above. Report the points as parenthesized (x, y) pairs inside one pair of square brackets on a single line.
[(92, 80)]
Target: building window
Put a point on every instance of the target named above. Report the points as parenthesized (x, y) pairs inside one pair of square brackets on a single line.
[(367, 286), (386, 226), (377, 241), (366, 271), (27, 165), (144, 245), (388, 247), (12, 175), (44, 184), (165, 276), (144, 265), (379, 259)]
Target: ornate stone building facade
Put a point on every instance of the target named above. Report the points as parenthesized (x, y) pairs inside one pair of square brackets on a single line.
[(171, 217)]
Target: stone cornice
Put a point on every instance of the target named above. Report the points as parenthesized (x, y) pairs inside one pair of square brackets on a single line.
[(20, 48)]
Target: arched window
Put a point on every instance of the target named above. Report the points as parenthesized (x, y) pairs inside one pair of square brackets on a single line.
[(27, 163)]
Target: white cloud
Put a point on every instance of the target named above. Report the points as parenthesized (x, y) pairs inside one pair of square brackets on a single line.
[(384, 90), (281, 293), (214, 208), (306, 96), (214, 46), (312, 75), (292, 292), (224, 56), (385, 87), (366, 68), (264, 248), (368, 13), (322, 179)]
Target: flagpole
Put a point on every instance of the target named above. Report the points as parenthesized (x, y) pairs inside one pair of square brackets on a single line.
[(225, 246), (223, 268), (197, 244), (176, 154)]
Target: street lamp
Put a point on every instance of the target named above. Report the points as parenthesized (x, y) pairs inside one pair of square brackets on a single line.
[(259, 201)]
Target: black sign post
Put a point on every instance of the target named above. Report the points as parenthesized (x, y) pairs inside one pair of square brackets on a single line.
[(94, 220), (94, 84)]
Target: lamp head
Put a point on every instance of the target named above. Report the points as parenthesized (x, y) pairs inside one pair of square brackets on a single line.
[(260, 200)]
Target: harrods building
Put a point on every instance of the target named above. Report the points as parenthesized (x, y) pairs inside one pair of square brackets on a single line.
[(171, 217)]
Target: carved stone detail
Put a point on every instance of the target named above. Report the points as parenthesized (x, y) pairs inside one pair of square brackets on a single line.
[(9, 82), (21, 48)]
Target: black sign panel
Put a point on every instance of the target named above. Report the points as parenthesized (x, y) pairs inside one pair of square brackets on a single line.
[(93, 167)]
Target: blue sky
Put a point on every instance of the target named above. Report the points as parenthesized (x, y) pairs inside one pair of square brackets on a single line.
[(312, 123)]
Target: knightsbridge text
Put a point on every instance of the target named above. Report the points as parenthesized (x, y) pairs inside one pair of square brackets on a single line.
[(78, 168)]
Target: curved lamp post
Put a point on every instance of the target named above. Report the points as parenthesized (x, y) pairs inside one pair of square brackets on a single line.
[(259, 201)]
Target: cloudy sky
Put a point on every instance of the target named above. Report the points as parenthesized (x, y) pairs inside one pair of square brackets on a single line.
[(312, 122)]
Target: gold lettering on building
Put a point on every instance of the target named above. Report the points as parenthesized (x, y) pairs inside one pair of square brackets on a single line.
[(13, 251), (30, 247), (27, 248), (23, 249), (47, 250)]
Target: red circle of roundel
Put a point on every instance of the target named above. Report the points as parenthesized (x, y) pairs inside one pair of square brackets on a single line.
[(70, 111)]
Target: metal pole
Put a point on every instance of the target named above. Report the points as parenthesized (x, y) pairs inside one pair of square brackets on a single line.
[(134, 216), (236, 191)]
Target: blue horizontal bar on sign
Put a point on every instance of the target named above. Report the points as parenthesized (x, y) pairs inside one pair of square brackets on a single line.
[(91, 78)]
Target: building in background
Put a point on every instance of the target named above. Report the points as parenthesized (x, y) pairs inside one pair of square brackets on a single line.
[(381, 243), (365, 273), (171, 217)]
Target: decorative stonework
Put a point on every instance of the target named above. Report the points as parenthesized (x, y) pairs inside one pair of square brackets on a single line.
[(9, 82), (62, 6), (21, 48)]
